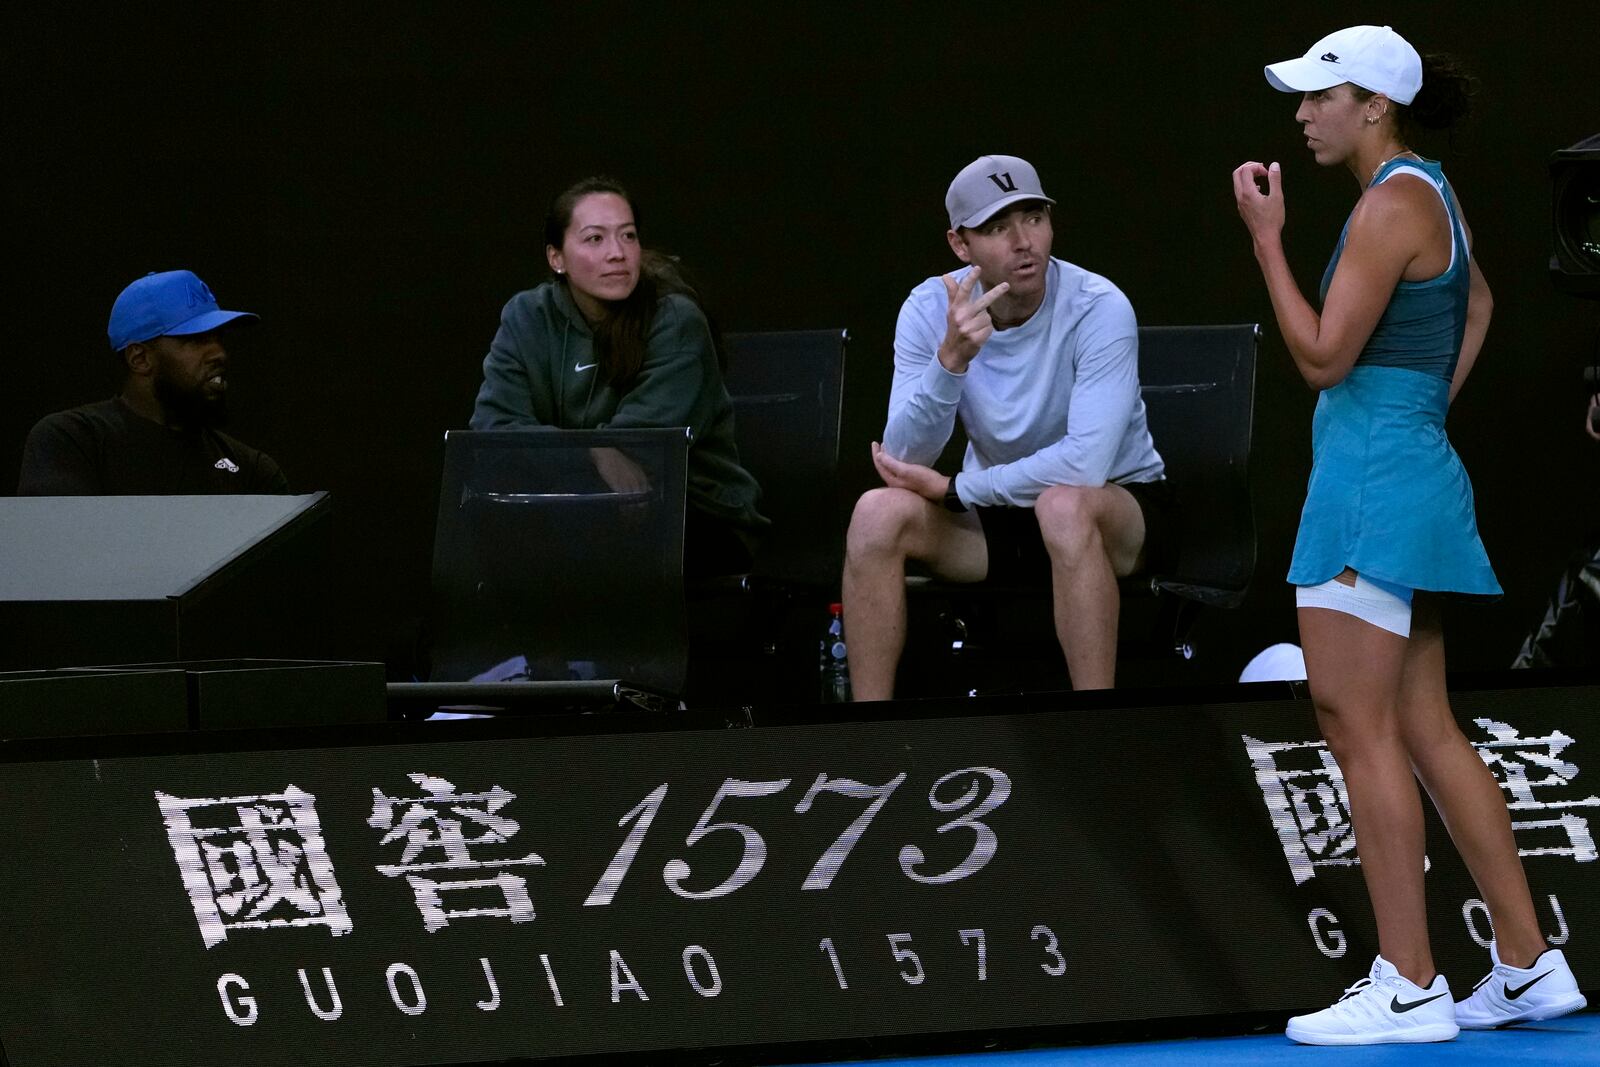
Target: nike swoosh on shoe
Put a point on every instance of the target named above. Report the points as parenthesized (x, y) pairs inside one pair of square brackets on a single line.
[(1400, 1008), (1513, 994)]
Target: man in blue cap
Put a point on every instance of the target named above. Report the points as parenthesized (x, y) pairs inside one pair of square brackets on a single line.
[(159, 435)]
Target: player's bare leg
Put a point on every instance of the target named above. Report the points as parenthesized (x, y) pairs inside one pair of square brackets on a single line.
[(1463, 790), (1354, 670)]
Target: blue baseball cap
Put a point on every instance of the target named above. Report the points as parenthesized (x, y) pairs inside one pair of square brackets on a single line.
[(172, 303)]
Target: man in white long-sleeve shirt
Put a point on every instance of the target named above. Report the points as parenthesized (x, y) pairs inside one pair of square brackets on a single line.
[(1039, 360)]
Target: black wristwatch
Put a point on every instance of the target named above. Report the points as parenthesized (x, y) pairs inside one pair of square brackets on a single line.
[(952, 499)]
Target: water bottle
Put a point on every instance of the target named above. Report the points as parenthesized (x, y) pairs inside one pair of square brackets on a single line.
[(833, 669)]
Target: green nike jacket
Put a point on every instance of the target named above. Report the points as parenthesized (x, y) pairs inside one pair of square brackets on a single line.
[(541, 371)]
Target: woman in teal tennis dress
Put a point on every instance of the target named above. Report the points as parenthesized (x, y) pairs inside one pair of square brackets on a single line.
[(1388, 526)]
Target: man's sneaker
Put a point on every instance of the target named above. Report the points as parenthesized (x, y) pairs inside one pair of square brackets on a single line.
[(1381, 1008), (1510, 995)]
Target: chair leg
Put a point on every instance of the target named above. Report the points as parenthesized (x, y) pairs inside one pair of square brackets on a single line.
[(1181, 614)]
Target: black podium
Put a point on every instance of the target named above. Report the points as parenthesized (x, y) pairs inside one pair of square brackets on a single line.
[(92, 580)]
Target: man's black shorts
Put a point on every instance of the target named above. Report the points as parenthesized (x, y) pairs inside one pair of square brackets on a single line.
[(1017, 555)]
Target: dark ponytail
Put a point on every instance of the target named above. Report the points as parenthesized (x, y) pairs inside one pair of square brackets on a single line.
[(619, 338), (1445, 97)]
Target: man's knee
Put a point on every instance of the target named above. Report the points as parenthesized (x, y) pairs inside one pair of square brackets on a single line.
[(1069, 519), (883, 521)]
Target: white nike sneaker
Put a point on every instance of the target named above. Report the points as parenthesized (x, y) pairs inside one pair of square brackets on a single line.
[(1383, 1007), (1511, 995)]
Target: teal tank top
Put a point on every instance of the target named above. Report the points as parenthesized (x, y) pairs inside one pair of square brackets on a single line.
[(1388, 496), (1422, 327)]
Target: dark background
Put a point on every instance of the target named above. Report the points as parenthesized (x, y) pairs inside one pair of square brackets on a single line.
[(371, 181)]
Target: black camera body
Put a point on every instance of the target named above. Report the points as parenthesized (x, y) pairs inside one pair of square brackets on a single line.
[(1575, 218)]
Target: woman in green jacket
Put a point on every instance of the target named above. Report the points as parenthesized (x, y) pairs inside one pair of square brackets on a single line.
[(616, 339)]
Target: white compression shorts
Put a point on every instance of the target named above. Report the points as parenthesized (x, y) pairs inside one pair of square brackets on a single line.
[(1379, 603)]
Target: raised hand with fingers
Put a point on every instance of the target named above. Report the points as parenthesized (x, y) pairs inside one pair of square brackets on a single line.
[(1258, 192), (967, 321)]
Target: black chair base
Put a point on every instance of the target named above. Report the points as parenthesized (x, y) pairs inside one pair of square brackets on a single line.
[(987, 639)]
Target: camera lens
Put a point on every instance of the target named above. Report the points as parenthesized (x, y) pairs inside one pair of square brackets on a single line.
[(1578, 217)]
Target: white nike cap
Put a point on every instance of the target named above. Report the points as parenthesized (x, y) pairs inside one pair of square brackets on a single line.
[(1373, 57)]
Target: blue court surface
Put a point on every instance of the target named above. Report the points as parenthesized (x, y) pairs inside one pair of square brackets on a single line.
[(1571, 1041)]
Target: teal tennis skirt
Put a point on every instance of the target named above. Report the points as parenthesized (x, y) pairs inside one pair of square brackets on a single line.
[(1388, 495)]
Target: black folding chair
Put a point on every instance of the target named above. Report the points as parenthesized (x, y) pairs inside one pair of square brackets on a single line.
[(1198, 384), (754, 637), (787, 389)]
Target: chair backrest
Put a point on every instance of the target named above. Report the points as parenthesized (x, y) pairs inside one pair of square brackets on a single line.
[(558, 554), (1198, 384), (787, 389)]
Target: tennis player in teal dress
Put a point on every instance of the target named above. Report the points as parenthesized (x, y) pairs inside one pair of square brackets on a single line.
[(1388, 496), (1388, 526)]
